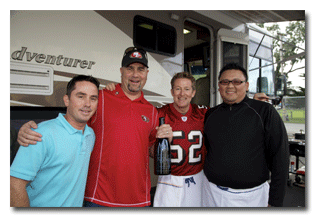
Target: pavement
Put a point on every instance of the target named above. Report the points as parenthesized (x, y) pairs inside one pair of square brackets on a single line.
[(295, 195), (294, 128)]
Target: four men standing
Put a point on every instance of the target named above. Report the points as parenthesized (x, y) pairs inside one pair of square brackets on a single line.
[(245, 139)]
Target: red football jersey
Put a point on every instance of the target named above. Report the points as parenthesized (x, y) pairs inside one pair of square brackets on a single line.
[(119, 167), (187, 149)]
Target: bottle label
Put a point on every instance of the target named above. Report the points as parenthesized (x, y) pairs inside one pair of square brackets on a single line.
[(163, 160)]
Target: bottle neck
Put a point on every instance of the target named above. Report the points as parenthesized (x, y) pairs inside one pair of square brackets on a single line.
[(162, 121)]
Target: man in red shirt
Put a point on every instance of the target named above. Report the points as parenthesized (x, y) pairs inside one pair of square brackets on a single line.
[(119, 167)]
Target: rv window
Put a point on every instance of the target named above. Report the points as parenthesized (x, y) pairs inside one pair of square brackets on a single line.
[(260, 76), (154, 36), (233, 53)]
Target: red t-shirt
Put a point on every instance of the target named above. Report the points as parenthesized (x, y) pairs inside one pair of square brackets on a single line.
[(119, 173), (187, 149)]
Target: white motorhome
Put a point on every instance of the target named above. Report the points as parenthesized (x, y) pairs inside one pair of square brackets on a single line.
[(50, 47), (47, 48)]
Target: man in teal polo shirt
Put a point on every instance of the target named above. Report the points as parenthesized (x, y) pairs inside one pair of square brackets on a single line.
[(53, 173)]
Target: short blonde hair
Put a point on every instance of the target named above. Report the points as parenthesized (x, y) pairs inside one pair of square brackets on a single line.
[(184, 75)]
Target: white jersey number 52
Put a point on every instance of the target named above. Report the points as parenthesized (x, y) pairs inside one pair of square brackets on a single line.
[(181, 154)]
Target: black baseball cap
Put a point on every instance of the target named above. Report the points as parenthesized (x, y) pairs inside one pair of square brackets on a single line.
[(134, 55)]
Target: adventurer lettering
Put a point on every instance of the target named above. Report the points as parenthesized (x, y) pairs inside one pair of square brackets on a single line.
[(51, 59)]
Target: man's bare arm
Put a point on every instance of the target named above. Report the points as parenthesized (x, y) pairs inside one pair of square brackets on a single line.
[(18, 193), (261, 96)]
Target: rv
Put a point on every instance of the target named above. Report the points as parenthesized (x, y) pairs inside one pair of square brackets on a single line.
[(48, 48)]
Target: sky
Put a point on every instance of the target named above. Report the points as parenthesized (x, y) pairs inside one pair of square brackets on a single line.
[(294, 76)]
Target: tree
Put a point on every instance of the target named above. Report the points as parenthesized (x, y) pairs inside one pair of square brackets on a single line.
[(287, 45)]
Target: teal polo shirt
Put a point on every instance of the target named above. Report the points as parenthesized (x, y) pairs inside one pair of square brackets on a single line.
[(57, 167)]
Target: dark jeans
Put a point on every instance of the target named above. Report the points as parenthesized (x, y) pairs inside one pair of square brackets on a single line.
[(90, 204)]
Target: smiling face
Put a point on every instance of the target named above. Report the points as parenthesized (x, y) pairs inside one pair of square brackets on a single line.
[(133, 79), (233, 93), (182, 93), (81, 104)]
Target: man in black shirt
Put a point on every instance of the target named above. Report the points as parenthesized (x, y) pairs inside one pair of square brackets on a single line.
[(245, 139)]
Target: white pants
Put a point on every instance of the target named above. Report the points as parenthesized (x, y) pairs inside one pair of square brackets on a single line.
[(217, 196), (179, 191)]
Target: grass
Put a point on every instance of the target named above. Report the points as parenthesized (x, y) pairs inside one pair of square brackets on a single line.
[(293, 116)]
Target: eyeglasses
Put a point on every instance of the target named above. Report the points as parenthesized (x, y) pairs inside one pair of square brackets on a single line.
[(235, 82), (129, 49)]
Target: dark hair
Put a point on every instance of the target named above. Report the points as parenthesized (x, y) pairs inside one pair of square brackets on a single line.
[(74, 80), (235, 66), (184, 75)]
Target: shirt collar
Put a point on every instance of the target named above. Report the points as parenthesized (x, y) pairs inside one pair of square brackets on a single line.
[(70, 129), (236, 104), (180, 114), (121, 94)]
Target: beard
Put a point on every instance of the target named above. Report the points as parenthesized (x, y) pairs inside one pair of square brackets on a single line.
[(134, 89)]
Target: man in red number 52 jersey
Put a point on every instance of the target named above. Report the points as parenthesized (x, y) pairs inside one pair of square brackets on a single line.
[(183, 186)]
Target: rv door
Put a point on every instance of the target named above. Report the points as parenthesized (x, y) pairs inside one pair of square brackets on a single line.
[(232, 46)]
